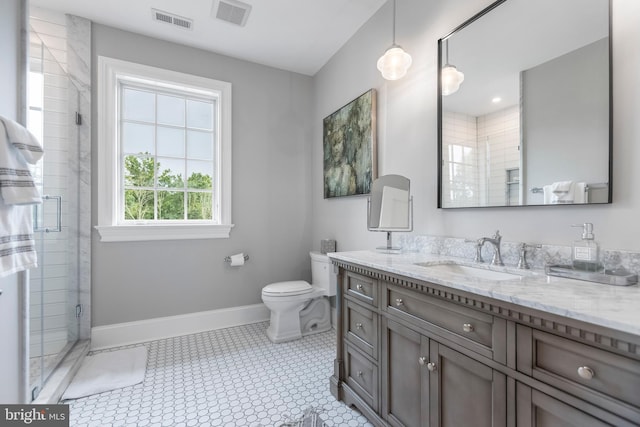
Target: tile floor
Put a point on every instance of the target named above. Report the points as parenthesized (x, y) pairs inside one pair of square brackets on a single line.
[(228, 377)]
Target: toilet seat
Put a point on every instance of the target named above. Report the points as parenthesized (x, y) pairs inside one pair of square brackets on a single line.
[(291, 288)]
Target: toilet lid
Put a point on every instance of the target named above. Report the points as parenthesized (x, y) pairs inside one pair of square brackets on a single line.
[(295, 287)]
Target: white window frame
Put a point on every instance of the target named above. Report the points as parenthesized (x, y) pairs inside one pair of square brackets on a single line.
[(110, 228)]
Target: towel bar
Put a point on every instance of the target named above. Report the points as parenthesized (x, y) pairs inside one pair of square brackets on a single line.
[(586, 188)]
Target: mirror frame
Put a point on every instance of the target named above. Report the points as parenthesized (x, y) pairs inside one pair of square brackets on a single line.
[(465, 24)]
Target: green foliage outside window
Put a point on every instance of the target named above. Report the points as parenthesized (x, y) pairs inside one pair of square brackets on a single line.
[(169, 195)]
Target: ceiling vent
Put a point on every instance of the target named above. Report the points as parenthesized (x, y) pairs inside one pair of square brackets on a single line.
[(170, 18), (232, 11)]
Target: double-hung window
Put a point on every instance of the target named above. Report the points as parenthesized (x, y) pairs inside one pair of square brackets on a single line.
[(164, 154)]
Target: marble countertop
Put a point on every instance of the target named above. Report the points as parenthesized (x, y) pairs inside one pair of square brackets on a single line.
[(615, 307)]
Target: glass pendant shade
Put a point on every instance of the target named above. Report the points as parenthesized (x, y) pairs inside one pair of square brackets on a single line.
[(394, 63), (451, 79)]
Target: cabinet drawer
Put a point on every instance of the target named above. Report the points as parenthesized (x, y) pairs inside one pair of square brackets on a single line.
[(465, 322), (536, 409), (361, 327), (362, 376), (362, 288), (575, 367)]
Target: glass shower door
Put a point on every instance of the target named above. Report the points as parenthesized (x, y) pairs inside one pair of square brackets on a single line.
[(54, 307)]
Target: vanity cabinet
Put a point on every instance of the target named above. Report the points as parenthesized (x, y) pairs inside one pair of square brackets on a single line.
[(361, 332), (414, 353), (426, 383)]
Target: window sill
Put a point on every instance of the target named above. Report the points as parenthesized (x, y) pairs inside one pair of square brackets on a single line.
[(138, 233)]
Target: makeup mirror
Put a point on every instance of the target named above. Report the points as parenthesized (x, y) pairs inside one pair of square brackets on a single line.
[(390, 207)]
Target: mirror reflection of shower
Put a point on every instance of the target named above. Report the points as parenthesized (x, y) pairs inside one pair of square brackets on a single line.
[(390, 208)]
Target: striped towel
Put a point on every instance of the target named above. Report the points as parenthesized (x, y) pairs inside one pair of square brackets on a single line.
[(17, 247), (18, 149)]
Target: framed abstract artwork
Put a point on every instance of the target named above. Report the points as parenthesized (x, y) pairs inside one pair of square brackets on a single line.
[(349, 148)]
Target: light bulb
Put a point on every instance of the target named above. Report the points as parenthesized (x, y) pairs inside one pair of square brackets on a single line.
[(394, 63), (451, 79)]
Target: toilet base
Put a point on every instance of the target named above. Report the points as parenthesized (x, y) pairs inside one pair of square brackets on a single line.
[(315, 317), (311, 318)]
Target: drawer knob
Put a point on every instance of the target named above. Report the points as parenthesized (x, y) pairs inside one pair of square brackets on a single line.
[(431, 367), (467, 327), (399, 302), (360, 374), (586, 372), (358, 325), (359, 287)]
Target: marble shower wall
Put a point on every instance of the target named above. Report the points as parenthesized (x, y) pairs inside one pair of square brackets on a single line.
[(79, 71)]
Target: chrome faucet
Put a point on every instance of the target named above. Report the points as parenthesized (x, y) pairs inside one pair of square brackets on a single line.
[(495, 241), (522, 249), (522, 260), (478, 244)]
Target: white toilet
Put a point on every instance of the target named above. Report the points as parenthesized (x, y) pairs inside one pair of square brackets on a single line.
[(298, 308)]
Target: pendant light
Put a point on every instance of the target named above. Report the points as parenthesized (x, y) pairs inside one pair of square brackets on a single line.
[(450, 77), (395, 62)]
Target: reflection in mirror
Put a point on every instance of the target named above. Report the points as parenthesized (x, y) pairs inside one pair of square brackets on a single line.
[(530, 122), (390, 207)]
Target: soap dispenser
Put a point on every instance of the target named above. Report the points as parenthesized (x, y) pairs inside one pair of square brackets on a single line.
[(586, 251)]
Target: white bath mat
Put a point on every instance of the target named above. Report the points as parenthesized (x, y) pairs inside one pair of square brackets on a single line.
[(108, 371)]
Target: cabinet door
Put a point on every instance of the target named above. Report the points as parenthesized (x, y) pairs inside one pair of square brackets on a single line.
[(405, 381), (536, 409), (463, 391)]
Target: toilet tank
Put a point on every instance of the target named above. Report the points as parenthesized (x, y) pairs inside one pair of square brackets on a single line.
[(322, 273)]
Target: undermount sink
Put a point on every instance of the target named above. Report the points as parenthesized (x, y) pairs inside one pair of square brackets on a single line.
[(465, 270)]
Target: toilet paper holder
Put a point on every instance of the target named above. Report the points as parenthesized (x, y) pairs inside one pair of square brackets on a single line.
[(228, 258)]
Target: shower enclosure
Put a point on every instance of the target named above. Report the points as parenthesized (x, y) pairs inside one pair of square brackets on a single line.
[(56, 109)]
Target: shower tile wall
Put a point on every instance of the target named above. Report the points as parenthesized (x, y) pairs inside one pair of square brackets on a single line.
[(460, 156), (498, 143), (478, 154)]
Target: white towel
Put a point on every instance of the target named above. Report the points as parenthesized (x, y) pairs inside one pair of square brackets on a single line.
[(17, 247), (564, 192), (18, 148), (562, 187), (548, 194), (580, 192)]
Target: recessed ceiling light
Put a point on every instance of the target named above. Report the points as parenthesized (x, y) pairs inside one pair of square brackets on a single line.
[(496, 100)]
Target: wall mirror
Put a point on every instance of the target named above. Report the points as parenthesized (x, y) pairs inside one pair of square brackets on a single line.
[(390, 207), (524, 106)]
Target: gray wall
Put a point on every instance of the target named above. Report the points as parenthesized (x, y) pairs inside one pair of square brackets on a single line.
[(407, 120), (271, 196), (10, 300), (567, 140), (278, 205)]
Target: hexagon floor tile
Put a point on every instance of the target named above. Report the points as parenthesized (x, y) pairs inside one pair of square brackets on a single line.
[(227, 377)]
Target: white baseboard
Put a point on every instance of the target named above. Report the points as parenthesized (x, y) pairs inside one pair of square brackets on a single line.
[(165, 327)]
